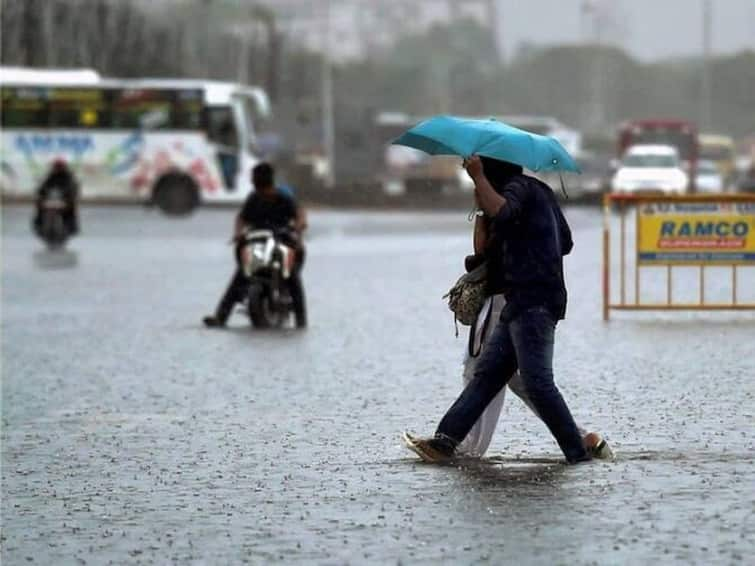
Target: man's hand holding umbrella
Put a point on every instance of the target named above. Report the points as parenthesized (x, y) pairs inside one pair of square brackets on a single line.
[(485, 196)]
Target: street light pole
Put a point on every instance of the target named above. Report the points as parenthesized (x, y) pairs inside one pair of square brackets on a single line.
[(705, 87), (493, 14), (207, 34), (327, 100), (596, 115)]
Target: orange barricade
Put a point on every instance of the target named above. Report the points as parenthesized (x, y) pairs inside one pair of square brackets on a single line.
[(696, 231)]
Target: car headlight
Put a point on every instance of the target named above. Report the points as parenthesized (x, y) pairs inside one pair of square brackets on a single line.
[(680, 183)]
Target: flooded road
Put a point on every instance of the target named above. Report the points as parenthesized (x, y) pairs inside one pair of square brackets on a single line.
[(131, 434)]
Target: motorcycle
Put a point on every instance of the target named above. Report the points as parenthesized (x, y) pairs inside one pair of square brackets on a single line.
[(53, 228), (268, 263)]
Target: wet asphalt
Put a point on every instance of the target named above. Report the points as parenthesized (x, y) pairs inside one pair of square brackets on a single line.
[(132, 435)]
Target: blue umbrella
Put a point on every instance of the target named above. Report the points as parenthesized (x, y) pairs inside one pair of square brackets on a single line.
[(449, 135)]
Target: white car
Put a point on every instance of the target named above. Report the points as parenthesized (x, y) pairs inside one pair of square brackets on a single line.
[(708, 179), (651, 169)]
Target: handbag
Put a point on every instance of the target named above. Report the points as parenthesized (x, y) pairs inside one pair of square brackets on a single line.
[(466, 297)]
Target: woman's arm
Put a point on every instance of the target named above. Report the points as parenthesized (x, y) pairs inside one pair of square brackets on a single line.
[(480, 239)]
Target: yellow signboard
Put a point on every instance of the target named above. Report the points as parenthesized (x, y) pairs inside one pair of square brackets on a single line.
[(696, 233)]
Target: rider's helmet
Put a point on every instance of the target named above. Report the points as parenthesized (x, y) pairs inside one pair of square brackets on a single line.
[(59, 165)]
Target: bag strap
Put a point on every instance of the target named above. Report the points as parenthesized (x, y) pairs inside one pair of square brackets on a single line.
[(472, 333)]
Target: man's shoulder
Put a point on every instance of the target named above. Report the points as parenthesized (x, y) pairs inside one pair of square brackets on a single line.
[(286, 201), (533, 185), (287, 191), (286, 197), (250, 199), (533, 181), (520, 185), (251, 204)]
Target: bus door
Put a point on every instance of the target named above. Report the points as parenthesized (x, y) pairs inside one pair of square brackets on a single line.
[(223, 133)]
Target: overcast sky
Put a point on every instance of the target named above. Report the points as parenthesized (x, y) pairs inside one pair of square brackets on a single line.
[(649, 29)]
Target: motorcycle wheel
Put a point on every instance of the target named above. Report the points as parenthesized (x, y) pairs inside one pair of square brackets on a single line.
[(54, 230), (262, 312)]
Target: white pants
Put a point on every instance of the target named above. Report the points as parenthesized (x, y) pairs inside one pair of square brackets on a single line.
[(477, 441)]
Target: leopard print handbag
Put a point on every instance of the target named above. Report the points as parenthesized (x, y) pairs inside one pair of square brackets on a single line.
[(466, 297)]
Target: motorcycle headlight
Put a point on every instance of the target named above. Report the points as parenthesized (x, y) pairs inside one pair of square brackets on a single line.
[(258, 253)]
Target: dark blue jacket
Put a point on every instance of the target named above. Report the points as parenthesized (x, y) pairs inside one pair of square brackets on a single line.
[(531, 236)]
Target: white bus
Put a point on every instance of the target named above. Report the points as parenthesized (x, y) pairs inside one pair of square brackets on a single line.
[(175, 143)]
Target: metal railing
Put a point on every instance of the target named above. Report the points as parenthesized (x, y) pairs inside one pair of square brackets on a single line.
[(699, 231)]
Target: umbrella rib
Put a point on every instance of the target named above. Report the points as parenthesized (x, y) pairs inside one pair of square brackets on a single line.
[(437, 148)]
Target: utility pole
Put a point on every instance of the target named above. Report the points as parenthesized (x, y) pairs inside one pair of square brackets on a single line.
[(261, 17), (494, 21), (207, 16), (242, 62), (705, 86), (586, 9), (326, 78), (453, 10), (595, 118)]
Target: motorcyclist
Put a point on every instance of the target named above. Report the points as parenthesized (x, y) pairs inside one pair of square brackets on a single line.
[(266, 208), (59, 178)]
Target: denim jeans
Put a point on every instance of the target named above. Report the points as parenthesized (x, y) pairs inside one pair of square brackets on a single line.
[(524, 343)]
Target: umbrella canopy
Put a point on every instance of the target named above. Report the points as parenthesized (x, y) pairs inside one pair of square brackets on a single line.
[(449, 135)]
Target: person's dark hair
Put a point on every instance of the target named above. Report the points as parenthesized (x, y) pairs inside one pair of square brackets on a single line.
[(263, 175), (499, 172)]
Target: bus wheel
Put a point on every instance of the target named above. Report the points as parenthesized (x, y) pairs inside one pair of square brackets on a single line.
[(176, 194)]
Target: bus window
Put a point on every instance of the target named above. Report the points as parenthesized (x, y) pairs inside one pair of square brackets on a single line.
[(24, 107), (187, 110), (76, 108), (141, 109)]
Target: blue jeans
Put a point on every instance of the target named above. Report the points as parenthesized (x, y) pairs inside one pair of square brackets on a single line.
[(524, 343)]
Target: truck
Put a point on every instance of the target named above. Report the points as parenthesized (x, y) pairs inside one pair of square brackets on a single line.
[(679, 134)]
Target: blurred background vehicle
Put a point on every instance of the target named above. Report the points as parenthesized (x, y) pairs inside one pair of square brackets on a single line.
[(746, 181), (651, 169), (52, 228), (410, 171), (172, 142), (720, 150), (679, 134), (595, 178), (709, 177)]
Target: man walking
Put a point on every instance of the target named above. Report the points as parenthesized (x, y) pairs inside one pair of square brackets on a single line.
[(534, 236)]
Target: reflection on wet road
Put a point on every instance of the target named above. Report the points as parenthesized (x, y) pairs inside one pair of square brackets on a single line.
[(134, 435)]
